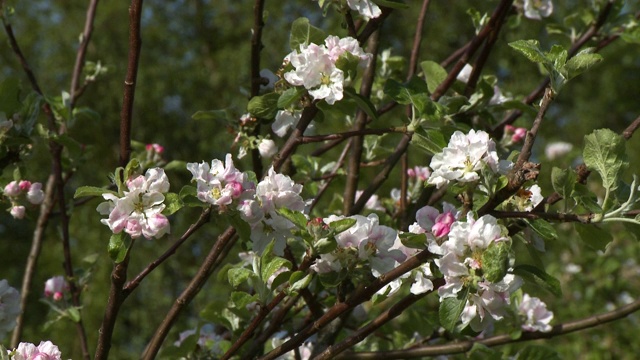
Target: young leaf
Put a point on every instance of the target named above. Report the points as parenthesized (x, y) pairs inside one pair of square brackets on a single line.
[(265, 106), (341, 225), (273, 265), (83, 191), (289, 97), (581, 62), (604, 152), (303, 33), (530, 49), (543, 228), (539, 277), (173, 203), (363, 103), (117, 247), (451, 309), (434, 74), (563, 181), (430, 140), (239, 275), (593, 236), (414, 241), (296, 217)]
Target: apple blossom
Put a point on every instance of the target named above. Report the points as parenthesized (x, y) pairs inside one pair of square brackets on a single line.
[(17, 211), (535, 315), (46, 350), (9, 307), (285, 120), (35, 195), (12, 189), (219, 184), (557, 149), (267, 148), (55, 287), (464, 157), (139, 211), (365, 8), (537, 9), (465, 73), (420, 172)]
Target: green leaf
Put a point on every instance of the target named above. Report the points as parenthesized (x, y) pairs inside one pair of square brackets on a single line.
[(265, 106), (300, 282), (363, 103), (543, 228), (604, 152), (563, 181), (530, 49), (537, 352), (414, 241), (74, 314), (414, 92), (539, 277), (582, 62), (595, 237), (289, 97), (239, 275), (325, 245), (341, 225), (296, 217), (434, 74), (430, 140), (175, 165), (303, 33), (173, 203), (240, 299), (117, 247), (451, 309), (91, 191), (273, 265)]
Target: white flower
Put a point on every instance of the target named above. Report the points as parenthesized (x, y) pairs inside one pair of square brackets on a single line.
[(45, 351), (535, 314), (463, 159), (373, 203), (219, 184), (17, 212), (12, 189), (35, 195), (9, 308), (557, 149), (365, 8), (498, 98), (422, 283), (465, 73), (537, 9), (267, 148), (315, 70), (284, 121), (337, 46), (139, 211)]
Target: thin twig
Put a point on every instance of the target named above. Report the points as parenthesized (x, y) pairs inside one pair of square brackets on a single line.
[(464, 346), (212, 260), (74, 90), (256, 80), (348, 134)]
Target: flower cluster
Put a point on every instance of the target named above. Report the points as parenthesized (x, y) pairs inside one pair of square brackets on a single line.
[(9, 307), (316, 67), (46, 350), (365, 242), (219, 184), (476, 258), (275, 191), (537, 9), (464, 158), (55, 287), (139, 210), (534, 314), (16, 189)]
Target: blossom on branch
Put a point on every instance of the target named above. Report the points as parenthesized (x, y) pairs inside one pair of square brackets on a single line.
[(219, 184), (464, 158), (535, 315), (139, 211), (46, 350), (55, 287)]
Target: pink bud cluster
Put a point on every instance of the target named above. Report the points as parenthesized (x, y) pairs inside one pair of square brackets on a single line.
[(46, 350), (32, 192), (517, 133), (55, 287)]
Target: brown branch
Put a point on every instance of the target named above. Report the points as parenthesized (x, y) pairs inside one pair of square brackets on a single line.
[(119, 272), (75, 90), (390, 314), (348, 134), (464, 346), (358, 296), (330, 178), (133, 284), (559, 217), (256, 80), (628, 132), (212, 260)]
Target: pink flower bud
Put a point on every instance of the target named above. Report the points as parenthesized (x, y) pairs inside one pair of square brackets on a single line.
[(509, 129), (443, 224), (236, 188), (411, 173), (155, 147), (24, 185), (17, 212), (55, 287), (12, 189), (518, 135)]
